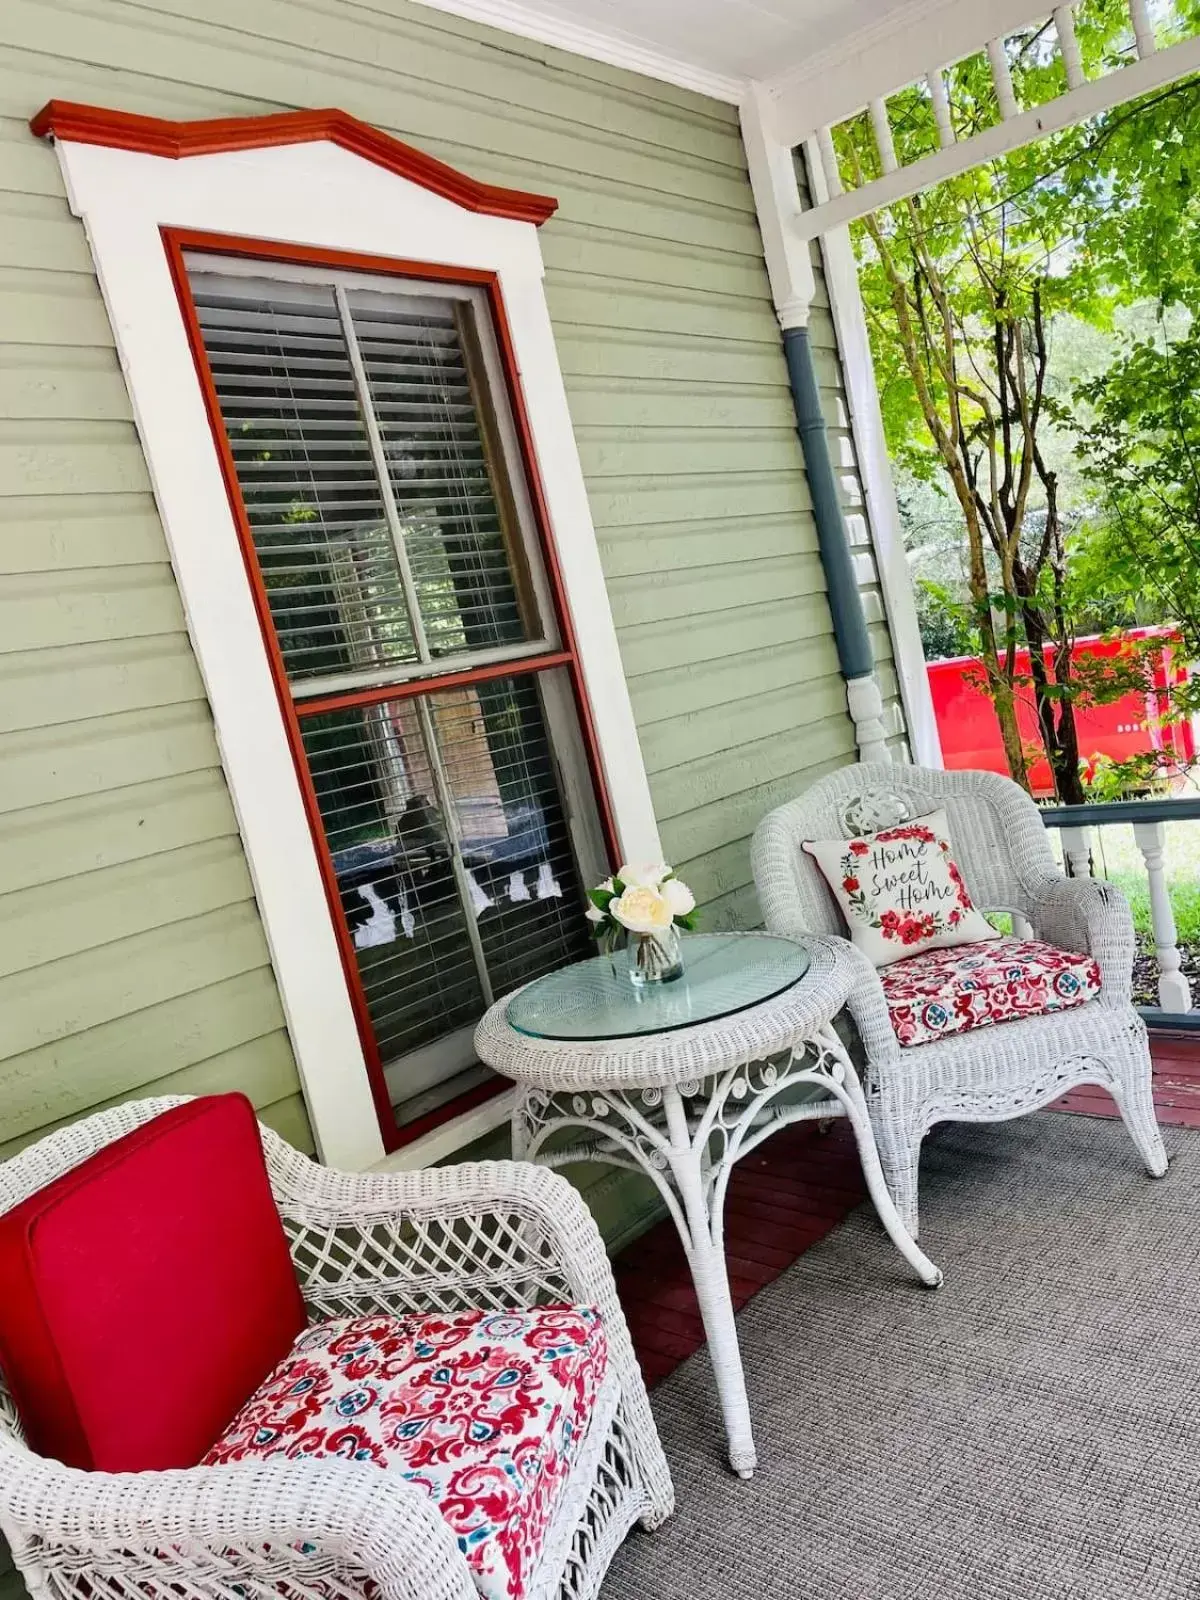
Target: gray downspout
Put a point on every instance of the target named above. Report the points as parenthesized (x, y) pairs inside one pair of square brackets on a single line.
[(855, 656)]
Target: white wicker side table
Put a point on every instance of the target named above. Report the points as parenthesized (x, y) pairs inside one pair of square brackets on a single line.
[(680, 1083)]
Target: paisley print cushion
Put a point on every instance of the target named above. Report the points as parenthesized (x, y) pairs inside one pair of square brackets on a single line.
[(485, 1410), (949, 991)]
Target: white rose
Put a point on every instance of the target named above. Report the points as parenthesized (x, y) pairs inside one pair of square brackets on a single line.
[(641, 910), (606, 887), (643, 874), (594, 914), (678, 896)]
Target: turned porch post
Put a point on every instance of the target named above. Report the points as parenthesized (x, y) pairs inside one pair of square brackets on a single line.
[(1174, 991)]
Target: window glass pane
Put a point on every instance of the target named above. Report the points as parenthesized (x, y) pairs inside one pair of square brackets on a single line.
[(441, 439), (284, 382), (395, 872), (513, 827), (378, 463), (415, 891)]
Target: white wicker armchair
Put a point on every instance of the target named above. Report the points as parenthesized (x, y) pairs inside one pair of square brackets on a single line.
[(485, 1235), (989, 1073)]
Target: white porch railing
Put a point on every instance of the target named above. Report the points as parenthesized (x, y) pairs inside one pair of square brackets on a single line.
[(1076, 825)]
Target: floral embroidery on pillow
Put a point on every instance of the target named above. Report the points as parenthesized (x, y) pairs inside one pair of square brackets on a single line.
[(909, 927), (900, 889)]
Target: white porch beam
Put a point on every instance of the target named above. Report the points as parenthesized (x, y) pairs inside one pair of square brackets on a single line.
[(902, 48), (941, 106), (1006, 97), (1068, 45), (829, 162), (776, 193), (1143, 28), (882, 129), (1088, 100)]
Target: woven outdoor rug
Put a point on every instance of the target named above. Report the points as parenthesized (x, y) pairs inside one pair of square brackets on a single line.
[(1030, 1431)]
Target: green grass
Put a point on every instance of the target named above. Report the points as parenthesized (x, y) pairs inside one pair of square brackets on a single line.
[(1118, 859)]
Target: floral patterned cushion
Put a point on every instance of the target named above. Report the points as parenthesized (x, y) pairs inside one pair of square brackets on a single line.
[(487, 1411), (948, 991)]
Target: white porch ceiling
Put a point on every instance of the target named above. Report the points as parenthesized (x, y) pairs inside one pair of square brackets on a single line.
[(728, 41), (818, 60)]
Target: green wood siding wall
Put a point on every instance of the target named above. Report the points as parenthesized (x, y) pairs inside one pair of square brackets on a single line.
[(131, 955)]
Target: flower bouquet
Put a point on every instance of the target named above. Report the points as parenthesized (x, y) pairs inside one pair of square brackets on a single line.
[(640, 909)]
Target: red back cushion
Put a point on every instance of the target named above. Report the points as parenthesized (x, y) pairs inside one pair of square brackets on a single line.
[(147, 1292)]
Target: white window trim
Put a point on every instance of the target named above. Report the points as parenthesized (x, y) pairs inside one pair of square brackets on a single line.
[(322, 196)]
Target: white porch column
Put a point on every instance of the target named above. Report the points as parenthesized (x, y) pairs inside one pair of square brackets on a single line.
[(789, 267), (883, 512)]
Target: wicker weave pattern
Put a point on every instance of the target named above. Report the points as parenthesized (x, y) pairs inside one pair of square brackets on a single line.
[(994, 1072), (489, 1234)]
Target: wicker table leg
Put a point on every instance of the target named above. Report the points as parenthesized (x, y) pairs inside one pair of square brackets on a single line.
[(848, 1090), (702, 1241), (688, 1137)]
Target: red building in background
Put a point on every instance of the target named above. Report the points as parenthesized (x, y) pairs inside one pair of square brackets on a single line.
[(1127, 727)]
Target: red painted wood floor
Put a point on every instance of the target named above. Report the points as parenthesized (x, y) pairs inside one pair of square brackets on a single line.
[(792, 1191)]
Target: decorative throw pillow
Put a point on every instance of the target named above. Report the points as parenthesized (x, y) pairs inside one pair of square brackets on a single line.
[(900, 890)]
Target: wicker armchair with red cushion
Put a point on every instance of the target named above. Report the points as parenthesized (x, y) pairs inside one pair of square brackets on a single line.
[(228, 1371)]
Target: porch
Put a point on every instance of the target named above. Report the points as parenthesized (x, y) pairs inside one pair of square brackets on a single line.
[(796, 1189), (708, 615)]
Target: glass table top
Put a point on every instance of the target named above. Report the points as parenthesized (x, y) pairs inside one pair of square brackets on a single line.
[(722, 973)]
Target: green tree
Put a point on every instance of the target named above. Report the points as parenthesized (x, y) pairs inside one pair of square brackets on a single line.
[(962, 286), (1140, 449), (1143, 449)]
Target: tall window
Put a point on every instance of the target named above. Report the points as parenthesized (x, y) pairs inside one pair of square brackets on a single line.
[(413, 627)]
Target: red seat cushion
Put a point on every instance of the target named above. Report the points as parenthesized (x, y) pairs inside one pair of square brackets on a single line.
[(147, 1292), (952, 991)]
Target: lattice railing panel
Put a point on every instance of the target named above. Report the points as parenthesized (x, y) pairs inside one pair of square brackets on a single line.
[(918, 136)]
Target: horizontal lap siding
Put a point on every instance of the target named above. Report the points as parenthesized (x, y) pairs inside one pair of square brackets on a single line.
[(133, 956)]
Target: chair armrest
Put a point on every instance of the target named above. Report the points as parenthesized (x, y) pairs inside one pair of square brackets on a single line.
[(1093, 916), (231, 1530), (488, 1234)]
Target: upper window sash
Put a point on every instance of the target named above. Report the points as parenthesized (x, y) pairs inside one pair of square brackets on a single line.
[(380, 470)]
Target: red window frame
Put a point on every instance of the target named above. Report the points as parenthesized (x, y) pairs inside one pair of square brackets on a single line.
[(177, 241)]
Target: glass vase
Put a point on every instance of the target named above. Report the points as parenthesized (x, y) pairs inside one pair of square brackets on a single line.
[(645, 958)]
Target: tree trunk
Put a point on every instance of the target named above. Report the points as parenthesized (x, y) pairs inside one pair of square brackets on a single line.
[(998, 677), (1058, 732), (1072, 790), (1004, 703)]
